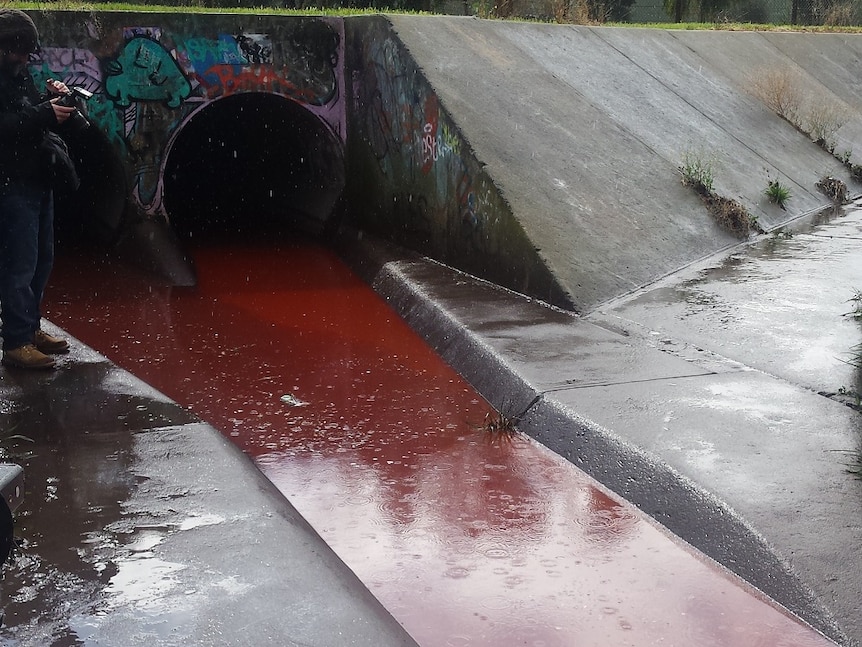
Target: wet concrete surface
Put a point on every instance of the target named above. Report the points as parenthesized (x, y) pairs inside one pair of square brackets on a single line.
[(465, 537), (142, 525), (753, 469)]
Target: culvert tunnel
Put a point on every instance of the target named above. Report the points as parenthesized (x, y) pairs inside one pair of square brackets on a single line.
[(252, 163)]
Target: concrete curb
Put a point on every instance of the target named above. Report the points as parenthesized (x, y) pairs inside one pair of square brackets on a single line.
[(433, 300)]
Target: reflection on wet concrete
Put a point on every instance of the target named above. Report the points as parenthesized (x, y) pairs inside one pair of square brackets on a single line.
[(789, 292), (77, 456), (467, 538)]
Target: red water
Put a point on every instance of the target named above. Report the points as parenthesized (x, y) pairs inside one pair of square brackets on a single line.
[(467, 538)]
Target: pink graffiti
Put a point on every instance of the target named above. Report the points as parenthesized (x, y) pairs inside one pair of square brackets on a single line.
[(429, 134), (72, 61)]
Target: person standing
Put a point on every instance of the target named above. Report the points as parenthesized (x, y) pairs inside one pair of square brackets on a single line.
[(26, 197)]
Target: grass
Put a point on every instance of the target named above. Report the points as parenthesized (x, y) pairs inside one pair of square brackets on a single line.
[(777, 193), (501, 422), (698, 172), (856, 312), (498, 423), (67, 5)]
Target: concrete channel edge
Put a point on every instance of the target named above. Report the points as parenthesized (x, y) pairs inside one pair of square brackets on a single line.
[(688, 511)]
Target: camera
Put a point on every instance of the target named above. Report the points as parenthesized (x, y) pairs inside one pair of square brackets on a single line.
[(76, 98)]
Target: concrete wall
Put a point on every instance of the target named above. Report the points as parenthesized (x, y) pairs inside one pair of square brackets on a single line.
[(414, 177), (157, 76), (541, 157)]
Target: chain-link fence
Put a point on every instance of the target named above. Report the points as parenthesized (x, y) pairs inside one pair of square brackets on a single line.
[(776, 12)]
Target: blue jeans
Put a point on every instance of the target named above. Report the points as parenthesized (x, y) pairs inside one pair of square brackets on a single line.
[(26, 259)]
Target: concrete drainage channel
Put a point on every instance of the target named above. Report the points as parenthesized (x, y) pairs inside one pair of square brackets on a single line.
[(416, 498), (427, 170)]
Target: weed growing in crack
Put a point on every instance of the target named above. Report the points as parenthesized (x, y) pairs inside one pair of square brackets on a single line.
[(777, 193), (698, 172), (502, 423), (823, 120), (856, 312), (854, 463), (778, 89), (499, 423), (731, 215)]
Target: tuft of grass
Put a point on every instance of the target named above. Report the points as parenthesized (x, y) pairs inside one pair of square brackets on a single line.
[(854, 462), (502, 423), (698, 172), (777, 193), (498, 423)]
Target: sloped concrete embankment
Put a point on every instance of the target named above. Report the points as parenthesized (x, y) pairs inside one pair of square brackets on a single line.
[(574, 136), (546, 158)]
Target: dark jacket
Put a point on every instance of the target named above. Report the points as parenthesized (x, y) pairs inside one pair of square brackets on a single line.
[(25, 118)]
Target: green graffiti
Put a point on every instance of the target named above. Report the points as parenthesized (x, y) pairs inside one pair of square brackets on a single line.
[(100, 110), (146, 71)]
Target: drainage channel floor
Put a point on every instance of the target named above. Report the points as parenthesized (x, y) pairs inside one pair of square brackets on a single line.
[(467, 537)]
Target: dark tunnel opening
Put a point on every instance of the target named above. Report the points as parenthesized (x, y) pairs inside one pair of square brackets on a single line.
[(252, 163)]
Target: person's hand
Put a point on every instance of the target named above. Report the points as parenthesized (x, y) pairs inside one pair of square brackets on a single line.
[(56, 87), (62, 113)]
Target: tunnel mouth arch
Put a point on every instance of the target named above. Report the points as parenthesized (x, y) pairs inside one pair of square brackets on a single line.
[(252, 163)]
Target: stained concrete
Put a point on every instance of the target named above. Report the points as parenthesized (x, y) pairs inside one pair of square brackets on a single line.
[(583, 130)]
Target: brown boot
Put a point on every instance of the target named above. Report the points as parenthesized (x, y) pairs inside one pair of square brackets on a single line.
[(48, 344), (27, 356)]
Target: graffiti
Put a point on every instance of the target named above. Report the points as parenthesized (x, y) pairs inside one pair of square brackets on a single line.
[(203, 53), (397, 114), (146, 71), (466, 198), (439, 140), (307, 70), (80, 67), (255, 48), (225, 80), (314, 48), (77, 65), (420, 154), (152, 33)]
